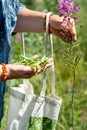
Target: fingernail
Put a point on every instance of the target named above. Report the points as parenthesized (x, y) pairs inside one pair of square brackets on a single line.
[(75, 38)]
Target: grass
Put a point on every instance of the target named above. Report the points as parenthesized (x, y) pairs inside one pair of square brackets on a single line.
[(63, 73)]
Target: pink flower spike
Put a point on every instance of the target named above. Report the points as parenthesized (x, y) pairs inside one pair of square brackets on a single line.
[(77, 9), (60, 1), (66, 8)]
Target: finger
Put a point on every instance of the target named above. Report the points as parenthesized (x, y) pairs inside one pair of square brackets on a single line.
[(35, 56), (50, 60), (66, 37), (64, 26), (50, 63), (69, 26), (74, 37)]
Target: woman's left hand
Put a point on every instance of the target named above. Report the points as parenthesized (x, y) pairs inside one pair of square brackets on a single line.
[(15, 71)]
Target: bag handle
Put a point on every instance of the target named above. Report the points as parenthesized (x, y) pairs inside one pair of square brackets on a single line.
[(23, 44), (29, 87), (23, 53), (52, 68)]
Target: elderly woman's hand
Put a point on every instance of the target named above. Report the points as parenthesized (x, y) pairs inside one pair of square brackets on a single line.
[(33, 21), (66, 31), (20, 71)]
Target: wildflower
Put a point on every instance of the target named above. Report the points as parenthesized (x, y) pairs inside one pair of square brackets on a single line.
[(77, 8), (67, 9), (65, 6)]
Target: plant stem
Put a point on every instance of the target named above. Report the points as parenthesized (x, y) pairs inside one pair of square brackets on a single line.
[(73, 93)]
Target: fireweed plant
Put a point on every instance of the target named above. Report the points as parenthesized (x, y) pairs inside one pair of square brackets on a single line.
[(72, 56), (68, 9)]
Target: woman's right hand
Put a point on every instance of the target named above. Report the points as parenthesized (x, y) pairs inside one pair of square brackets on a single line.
[(61, 28)]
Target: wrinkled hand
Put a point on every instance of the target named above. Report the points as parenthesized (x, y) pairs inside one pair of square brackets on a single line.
[(20, 71), (66, 31), (39, 70)]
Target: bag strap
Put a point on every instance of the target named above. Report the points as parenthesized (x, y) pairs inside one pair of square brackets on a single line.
[(52, 68), (23, 52), (23, 44), (26, 81)]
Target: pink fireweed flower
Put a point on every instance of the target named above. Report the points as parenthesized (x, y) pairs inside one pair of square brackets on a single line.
[(65, 6), (67, 9), (77, 8)]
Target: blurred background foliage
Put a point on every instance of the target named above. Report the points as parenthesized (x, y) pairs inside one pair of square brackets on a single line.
[(35, 45)]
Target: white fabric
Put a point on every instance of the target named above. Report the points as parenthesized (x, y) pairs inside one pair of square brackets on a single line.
[(21, 108), (16, 101), (23, 104)]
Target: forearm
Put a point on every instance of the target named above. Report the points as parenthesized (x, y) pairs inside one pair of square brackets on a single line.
[(30, 21), (34, 21), (16, 72)]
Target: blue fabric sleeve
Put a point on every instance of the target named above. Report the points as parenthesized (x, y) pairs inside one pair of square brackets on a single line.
[(10, 10), (18, 6)]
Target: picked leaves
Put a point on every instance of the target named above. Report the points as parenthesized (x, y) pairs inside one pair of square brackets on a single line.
[(33, 62)]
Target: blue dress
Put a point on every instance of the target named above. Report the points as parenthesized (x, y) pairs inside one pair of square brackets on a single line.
[(9, 10)]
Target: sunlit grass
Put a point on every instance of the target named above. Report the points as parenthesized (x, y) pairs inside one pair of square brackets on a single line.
[(63, 73)]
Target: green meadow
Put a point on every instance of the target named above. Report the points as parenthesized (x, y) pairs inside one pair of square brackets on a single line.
[(64, 74)]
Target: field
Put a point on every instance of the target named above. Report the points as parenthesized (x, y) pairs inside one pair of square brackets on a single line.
[(64, 77)]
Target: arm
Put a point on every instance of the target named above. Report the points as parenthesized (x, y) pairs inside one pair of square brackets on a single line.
[(30, 21), (33, 21), (14, 71)]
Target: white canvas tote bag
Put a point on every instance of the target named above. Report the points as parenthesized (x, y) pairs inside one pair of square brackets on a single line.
[(16, 100), (28, 111)]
